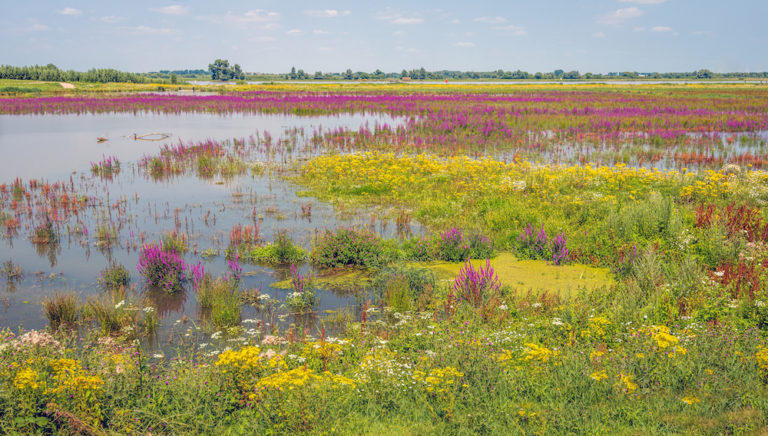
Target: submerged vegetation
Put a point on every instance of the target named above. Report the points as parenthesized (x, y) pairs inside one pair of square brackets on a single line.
[(591, 260)]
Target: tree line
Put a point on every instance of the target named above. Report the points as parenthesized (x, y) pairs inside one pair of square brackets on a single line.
[(51, 73), (423, 74)]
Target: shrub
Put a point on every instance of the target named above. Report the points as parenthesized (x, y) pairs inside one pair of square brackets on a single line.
[(163, 269), (348, 247)]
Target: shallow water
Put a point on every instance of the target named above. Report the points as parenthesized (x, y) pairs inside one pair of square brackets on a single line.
[(52, 146), (60, 148)]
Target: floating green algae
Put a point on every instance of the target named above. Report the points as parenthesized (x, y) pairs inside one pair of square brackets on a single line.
[(524, 275)]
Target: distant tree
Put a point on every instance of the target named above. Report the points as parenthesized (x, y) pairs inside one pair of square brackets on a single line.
[(174, 79), (348, 74), (703, 74), (558, 73), (292, 76), (571, 75), (403, 74), (221, 70), (318, 75)]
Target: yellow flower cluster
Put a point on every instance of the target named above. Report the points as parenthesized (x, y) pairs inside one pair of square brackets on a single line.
[(538, 354), (70, 377), (715, 185), (598, 375), (664, 340), (321, 350), (246, 358), (288, 380), (626, 383), (438, 379), (596, 327), (27, 378), (404, 176), (690, 400), (762, 358)]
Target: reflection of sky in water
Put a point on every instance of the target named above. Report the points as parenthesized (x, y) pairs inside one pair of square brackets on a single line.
[(50, 147)]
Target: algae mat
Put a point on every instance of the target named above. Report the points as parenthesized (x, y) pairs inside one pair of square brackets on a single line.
[(524, 275), (534, 275)]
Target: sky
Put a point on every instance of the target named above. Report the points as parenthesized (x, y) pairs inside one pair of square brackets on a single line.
[(598, 36)]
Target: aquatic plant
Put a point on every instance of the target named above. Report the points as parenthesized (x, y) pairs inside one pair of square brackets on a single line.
[(163, 269), (113, 276), (106, 168), (61, 309), (302, 297)]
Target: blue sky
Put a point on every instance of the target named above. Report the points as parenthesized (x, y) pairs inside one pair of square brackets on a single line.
[(271, 36)]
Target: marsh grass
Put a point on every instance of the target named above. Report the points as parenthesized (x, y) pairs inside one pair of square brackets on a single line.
[(114, 276), (220, 299), (62, 309)]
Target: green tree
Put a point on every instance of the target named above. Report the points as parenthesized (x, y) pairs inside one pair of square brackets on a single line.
[(221, 70)]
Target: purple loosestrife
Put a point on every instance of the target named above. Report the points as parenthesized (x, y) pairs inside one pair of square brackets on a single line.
[(302, 297), (559, 250), (452, 247), (198, 273), (475, 285), (163, 269), (235, 270)]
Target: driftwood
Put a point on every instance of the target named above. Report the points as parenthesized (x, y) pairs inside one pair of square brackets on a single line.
[(154, 136), (101, 139)]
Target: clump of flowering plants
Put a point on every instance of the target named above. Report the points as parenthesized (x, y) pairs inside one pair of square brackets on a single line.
[(534, 244), (475, 285), (163, 269)]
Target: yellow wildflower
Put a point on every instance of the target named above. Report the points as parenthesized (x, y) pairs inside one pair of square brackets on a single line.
[(690, 400), (26, 379)]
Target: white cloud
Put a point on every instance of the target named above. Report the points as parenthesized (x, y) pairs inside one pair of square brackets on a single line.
[(660, 29), (320, 32), (248, 17), (171, 10), (37, 27), (145, 30), (619, 16), (644, 2), (70, 11), (111, 19), (294, 32), (328, 13), (403, 20), (395, 17), (264, 39), (490, 20), (515, 30), (598, 35), (465, 44)]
